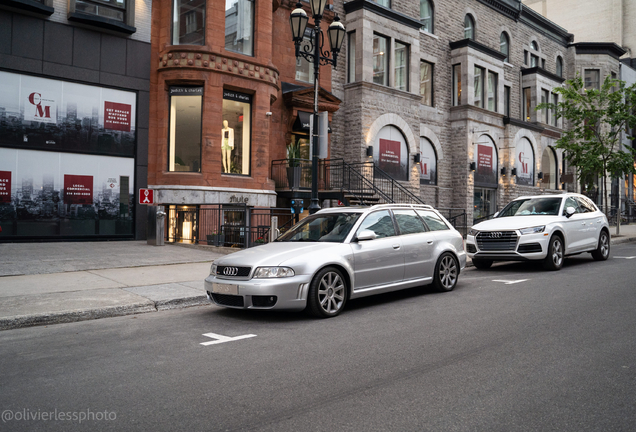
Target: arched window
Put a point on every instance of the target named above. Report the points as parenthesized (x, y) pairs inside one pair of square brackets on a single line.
[(549, 169), (469, 27), (428, 162), (524, 162), (426, 15), (559, 66), (486, 161), (391, 153), (504, 45), (534, 45)]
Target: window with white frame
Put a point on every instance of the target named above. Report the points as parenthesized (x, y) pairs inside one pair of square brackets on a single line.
[(469, 27), (401, 66), (492, 91), (592, 79), (559, 67), (239, 26), (504, 45), (380, 60), (479, 87)]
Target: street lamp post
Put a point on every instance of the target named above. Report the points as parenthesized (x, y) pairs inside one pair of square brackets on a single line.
[(315, 54)]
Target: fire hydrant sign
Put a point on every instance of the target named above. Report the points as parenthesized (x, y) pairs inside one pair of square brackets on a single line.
[(146, 196)]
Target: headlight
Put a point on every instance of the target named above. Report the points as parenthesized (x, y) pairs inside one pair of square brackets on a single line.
[(273, 272), (533, 230), (473, 232), (213, 269)]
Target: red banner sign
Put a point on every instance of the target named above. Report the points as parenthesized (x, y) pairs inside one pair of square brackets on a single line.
[(117, 116), (5, 186), (78, 189), (484, 159)]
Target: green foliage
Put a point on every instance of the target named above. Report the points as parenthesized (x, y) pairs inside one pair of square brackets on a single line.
[(293, 153), (595, 121)]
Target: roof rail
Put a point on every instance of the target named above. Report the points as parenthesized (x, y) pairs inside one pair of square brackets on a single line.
[(413, 206)]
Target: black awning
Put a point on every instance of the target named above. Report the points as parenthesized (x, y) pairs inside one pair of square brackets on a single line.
[(302, 122)]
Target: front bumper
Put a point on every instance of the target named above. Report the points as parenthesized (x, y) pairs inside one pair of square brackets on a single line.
[(275, 293), (529, 247)]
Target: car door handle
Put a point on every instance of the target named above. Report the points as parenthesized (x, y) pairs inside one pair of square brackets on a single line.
[(430, 242), (582, 223), (397, 246)]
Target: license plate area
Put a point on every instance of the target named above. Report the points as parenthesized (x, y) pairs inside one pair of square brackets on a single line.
[(225, 289)]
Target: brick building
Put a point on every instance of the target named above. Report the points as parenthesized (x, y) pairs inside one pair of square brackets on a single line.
[(227, 96), (74, 82), (455, 84)]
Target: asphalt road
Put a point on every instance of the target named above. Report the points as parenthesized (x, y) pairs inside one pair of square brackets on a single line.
[(513, 348)]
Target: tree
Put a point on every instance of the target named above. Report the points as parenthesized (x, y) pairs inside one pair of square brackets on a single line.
[(596, 119)]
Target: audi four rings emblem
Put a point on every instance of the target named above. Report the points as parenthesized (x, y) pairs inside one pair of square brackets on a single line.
[(230, 271), (496, 234)]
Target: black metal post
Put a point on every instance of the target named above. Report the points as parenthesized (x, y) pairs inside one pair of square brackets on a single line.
[(314, 206)]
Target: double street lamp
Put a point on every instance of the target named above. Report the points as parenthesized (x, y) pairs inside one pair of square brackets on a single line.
[(314, 53)]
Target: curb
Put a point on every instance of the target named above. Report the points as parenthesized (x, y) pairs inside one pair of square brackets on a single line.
[(22, 321)]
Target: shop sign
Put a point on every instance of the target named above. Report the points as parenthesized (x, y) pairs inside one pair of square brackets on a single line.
[(146, 196), (40, 108), (236, 96), (524, 162), (486, 159), (428, 163), (186, 91), (389, 158), (78, 189), (5, 186)]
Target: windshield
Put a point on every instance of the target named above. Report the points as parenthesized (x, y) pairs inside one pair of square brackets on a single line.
[(532, 207), (328, 227)]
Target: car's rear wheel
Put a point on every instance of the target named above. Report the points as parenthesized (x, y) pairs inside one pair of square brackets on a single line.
[(554, 259), (327, 293), (603, 249), (482, 264), (446, 273)]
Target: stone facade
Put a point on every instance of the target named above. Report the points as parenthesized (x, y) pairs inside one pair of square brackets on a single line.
[(535, 47)]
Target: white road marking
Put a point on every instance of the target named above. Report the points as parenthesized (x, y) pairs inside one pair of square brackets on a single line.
[(631, 257), (221, 338), (507, 282)]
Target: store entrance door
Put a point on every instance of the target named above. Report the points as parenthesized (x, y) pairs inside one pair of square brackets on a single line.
[(484, 202)]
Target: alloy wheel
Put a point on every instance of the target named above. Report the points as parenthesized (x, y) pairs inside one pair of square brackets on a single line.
[(557, 252), (331, 292), (448, 272)]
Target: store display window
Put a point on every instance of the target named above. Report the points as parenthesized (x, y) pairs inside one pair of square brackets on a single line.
[(236, 132)]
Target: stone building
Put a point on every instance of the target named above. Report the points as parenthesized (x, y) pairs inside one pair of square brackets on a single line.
[(449, 90), (74, 82)]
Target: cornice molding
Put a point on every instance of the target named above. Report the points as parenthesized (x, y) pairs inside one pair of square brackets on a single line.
[(542, 72), (509, 8), (603, 48), (522, 124), (546, 27), (371, 6), (478, 47)]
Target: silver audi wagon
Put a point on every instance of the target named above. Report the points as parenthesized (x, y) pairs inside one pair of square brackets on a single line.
[(339, 254)]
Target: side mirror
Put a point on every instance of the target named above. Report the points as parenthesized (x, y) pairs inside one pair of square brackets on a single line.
[(569, 211), (366, 235)]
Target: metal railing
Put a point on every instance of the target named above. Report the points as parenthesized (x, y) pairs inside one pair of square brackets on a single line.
[(457, 217)]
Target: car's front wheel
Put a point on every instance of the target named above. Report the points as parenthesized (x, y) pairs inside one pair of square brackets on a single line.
[(446, 273), (482, 264), (327, 293), (554, 259), (603, 249)]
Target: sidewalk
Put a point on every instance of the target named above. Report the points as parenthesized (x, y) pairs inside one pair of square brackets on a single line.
[(50, 283)]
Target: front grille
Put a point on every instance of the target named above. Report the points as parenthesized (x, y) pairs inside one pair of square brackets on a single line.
[(529, 248), (233, 271), (228, 300), (263, 301), (497, 241), (470, 248)]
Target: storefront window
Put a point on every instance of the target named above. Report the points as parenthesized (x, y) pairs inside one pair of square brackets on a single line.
[(188, 22), (236, 132), (239, 26), (391, 153), (380, 60), (185, 129), (524, 163), (549, 169), (428, 163), (484, 202)]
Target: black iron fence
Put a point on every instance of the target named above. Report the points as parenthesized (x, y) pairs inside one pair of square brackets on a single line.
[(225, 225), (457, 217)]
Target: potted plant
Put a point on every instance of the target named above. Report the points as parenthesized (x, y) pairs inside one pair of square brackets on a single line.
[(259, 241), (215, 238), (294, 169)]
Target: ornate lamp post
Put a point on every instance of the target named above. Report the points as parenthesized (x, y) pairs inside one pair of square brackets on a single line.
[(315, 54)]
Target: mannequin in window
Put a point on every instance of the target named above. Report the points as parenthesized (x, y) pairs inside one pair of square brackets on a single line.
[(227, 145)]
